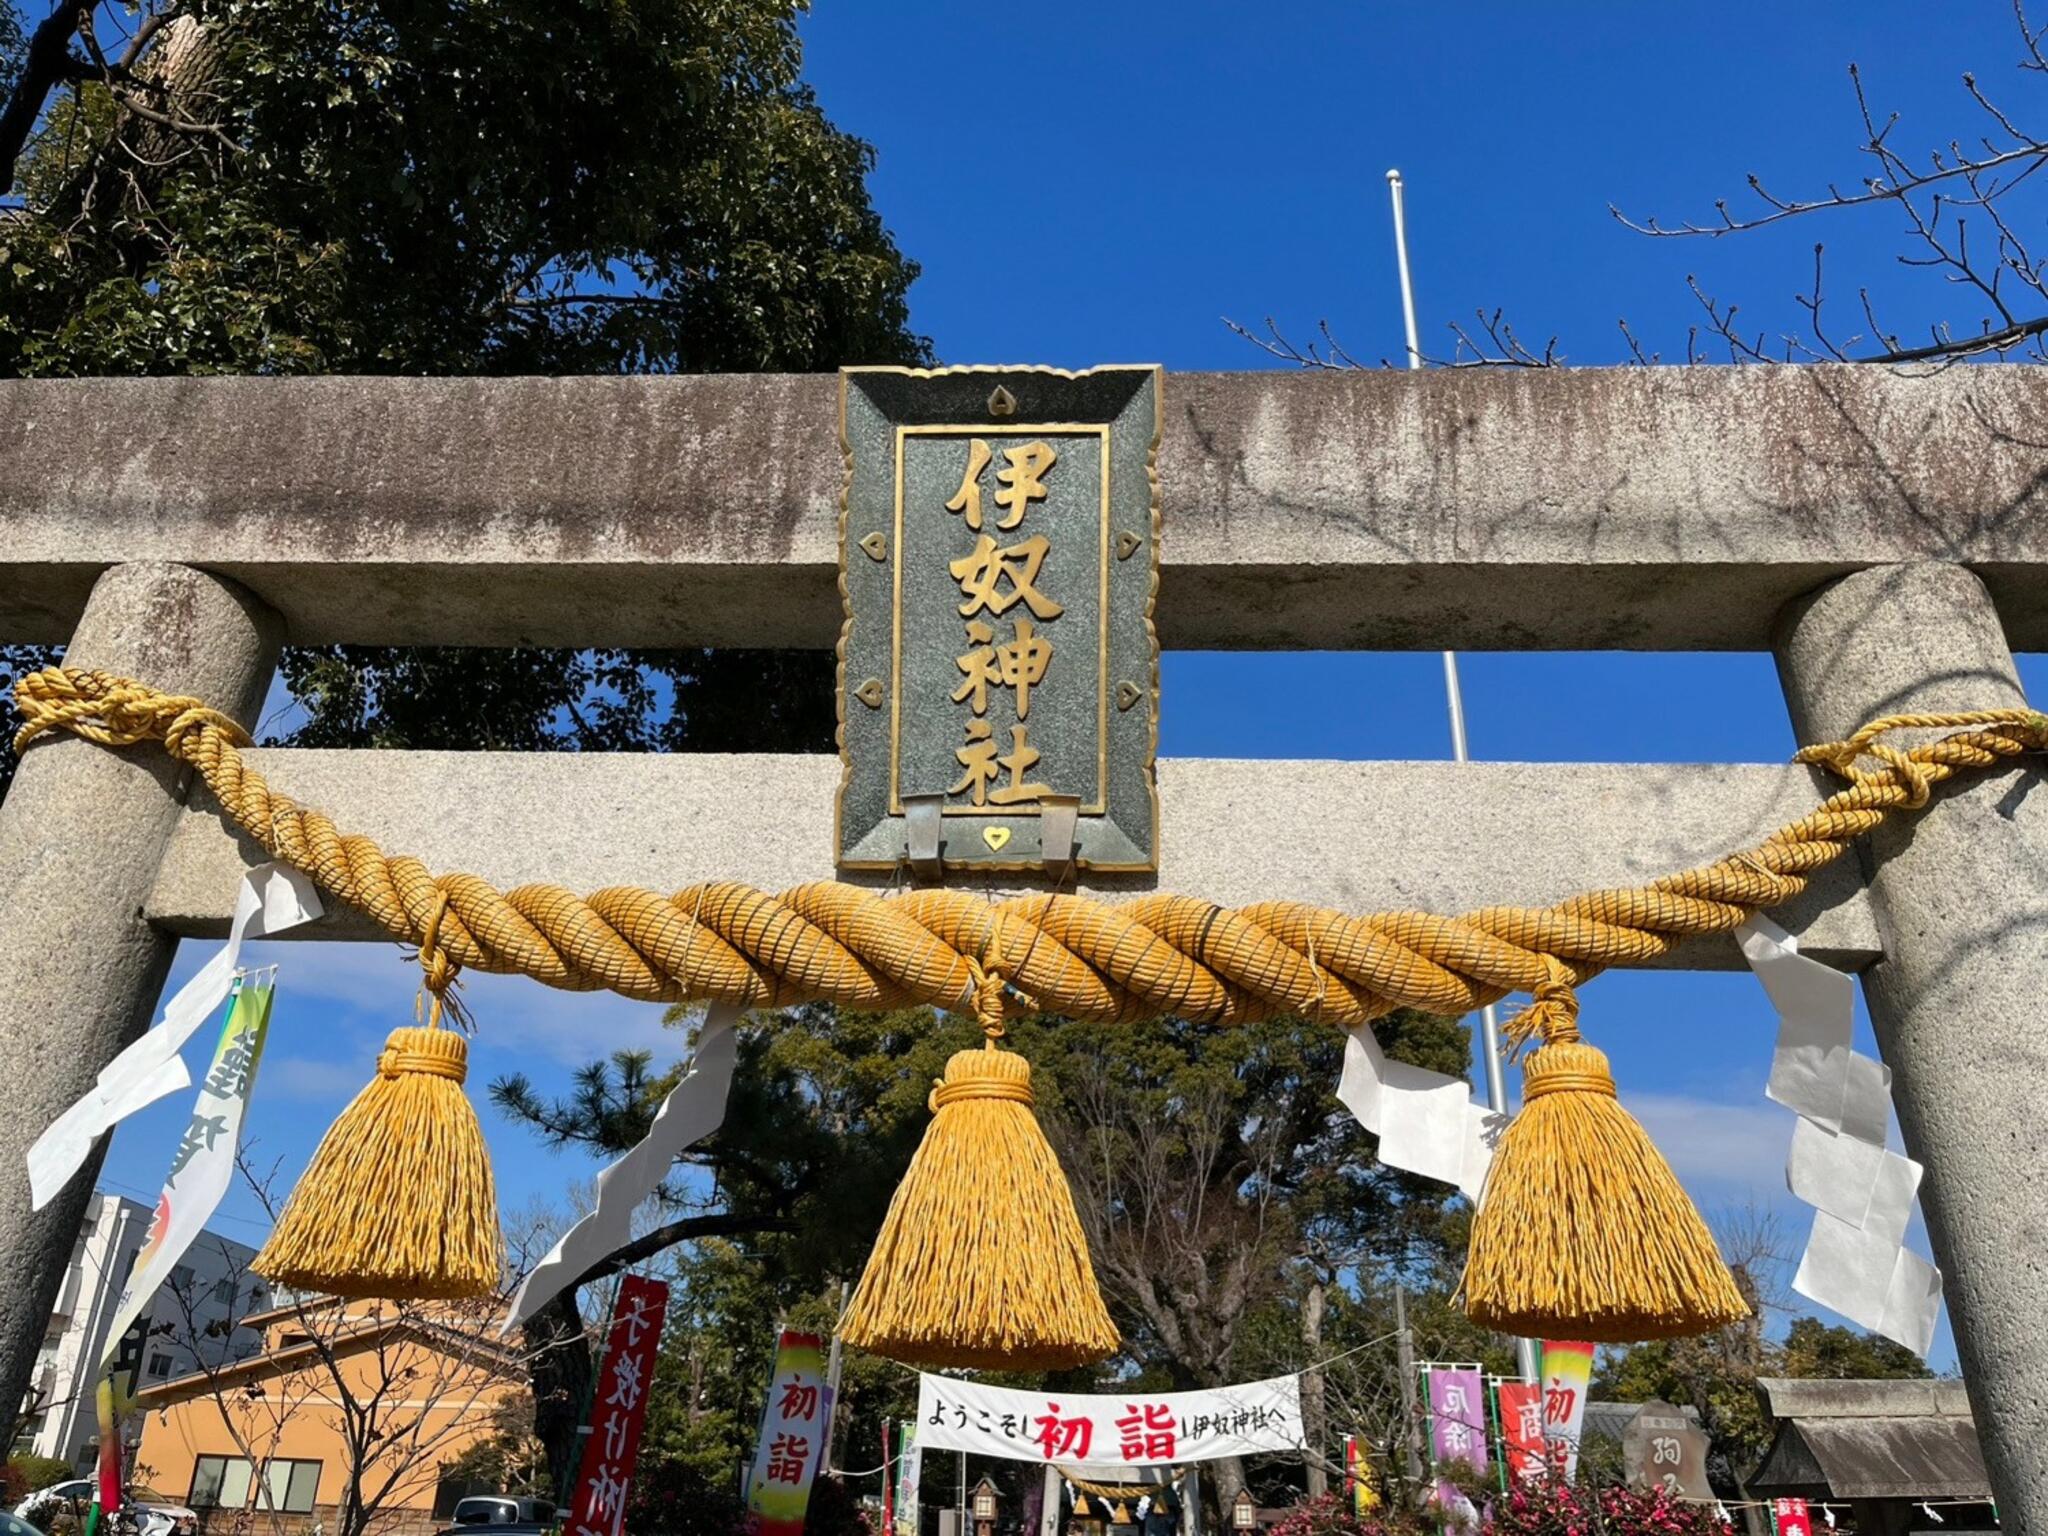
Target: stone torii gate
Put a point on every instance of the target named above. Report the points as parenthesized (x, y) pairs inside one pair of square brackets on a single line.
[(1879, 533)]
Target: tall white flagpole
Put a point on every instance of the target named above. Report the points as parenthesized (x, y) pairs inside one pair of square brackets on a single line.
[(1489, 1018)]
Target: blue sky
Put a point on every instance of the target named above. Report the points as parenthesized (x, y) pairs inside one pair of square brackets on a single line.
[(1103, 183)]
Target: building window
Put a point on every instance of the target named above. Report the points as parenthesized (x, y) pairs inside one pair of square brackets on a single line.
[(220, 1482), (181, 1278), (159, 1364), (292, 1485), (224, 1290)]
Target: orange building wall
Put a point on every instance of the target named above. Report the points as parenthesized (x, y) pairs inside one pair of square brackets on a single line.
[(441, 1406)]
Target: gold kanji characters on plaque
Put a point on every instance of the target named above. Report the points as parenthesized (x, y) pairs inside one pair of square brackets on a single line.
[(979, 760), (981, 571), (1018, 663), (998, 662), (1022, 482), (993, 579)]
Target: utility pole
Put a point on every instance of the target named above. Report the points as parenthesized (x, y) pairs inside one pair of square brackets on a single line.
[(1489, 1019), (1411, 1421), (831, 1457)]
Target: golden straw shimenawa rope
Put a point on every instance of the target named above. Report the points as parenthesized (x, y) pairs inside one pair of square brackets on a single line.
[(1065, 954)]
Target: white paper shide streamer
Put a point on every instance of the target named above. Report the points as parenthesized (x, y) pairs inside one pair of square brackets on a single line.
[(1856, 1260), (694, 1108), (272, 898), (1427, 1122)]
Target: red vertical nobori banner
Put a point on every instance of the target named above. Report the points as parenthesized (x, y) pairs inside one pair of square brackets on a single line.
[(1791, 1517), (1521, 1430), (888, 1485), (618, 1410)]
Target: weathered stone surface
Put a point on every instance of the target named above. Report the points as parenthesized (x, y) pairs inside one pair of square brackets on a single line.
[(1634, 508), (1361, 837), (1960, 899), (82, 832)]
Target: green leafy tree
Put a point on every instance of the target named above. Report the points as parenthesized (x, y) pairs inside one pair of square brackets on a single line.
[(1813, 1348), (395, 187), (1712, 1374), (511, 187), (507, 1460)]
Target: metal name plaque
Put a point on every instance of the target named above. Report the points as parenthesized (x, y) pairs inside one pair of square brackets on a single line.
[(998, 669)]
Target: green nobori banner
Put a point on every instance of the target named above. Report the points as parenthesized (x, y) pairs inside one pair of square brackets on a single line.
[(204, 1162)]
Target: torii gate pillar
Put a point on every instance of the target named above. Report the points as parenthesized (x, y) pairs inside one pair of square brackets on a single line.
[(82, 834), (1959, 996)]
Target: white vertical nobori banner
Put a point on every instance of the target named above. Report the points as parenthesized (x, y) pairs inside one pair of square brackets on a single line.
[(1567, 1383), (796, 1433), (908, 1488)]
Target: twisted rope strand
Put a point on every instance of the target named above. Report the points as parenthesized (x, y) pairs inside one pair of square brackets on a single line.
[(1074, 956)]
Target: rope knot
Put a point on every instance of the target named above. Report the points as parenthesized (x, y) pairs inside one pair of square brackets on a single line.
[(1841, 759), (438, 970), (195, 717), (988, 984), (1553, 1012), (113, 711), (985, 975), (1919, 770)]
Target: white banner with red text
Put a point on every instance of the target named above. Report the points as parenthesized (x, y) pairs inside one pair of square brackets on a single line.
[(1134, 1429)]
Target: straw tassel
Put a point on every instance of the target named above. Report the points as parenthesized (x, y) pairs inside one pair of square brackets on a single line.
[(1583, 1231), (399, 1200), (981, 1261)]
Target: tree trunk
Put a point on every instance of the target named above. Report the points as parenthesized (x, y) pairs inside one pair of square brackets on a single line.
[(1227, 1474), (176, 75), (1314, 1429), (183, 67), (351, 1519), (561, 1372)]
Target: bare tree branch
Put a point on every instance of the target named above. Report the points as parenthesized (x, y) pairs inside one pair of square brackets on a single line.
[(1938, 193)]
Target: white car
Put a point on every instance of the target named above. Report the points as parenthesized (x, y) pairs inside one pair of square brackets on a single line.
[(154, 1515), (75, 1491), (157, 1516)]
